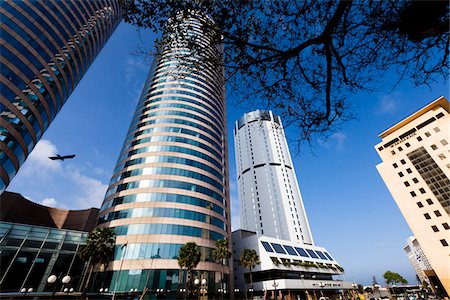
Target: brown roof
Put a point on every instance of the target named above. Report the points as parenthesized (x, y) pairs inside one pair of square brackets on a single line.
[(15, 208)]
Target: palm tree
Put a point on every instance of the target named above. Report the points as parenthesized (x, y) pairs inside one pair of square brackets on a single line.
[(219, 254), (249, 259), (98, 250), (189, 257)]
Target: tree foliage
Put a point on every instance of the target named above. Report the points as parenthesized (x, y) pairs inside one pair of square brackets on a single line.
[(97, 251), (99, 246), (249, 259), (220, 253), (394, 278), (303, 59), (189, 258)]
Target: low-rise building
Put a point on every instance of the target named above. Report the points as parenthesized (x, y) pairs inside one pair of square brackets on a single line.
[(38, 241)]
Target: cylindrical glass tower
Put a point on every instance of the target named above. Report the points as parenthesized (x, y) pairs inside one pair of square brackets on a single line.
[(46, 48), (170, 185)]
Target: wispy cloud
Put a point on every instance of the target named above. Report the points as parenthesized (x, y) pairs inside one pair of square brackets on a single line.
[(388, 104), (58, 184), (339, 138), (336, 141), (133, 66)]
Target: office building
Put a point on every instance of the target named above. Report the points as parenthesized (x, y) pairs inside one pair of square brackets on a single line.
[(415, 167), (46, 48), (417, 259), (269, 196), (170, 184), (38, 241), (273, 218)]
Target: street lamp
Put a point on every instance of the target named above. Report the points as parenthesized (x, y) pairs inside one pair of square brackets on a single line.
[(52, 280), (275, 285), (321, 284), (24, 291)]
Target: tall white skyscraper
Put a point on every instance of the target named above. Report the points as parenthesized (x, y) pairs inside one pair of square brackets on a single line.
[(415, 168), (273, 217), (269, 196)]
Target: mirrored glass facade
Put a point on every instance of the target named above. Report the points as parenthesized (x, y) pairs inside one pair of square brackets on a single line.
[(46, 48), (30, 254), (170, 184)]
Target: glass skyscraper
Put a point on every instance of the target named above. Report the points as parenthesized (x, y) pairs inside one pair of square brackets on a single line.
[(46, 48), (170, 185)]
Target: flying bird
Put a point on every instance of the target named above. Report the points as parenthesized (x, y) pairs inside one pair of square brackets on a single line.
[(59, 157)]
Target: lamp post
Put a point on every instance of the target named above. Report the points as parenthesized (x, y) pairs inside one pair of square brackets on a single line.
[(275, 285), (24, 291), (52, 280), (197, 284), (204, 286), (321, 284)]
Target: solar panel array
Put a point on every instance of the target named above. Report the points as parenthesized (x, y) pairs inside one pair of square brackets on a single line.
[(304, 252)]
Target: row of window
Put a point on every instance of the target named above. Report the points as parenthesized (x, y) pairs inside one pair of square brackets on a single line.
[(167, 148), (166, 113), (174, 105), (174, 229), (133, 134), (161, 197), (175, 139), (173, 160), (163, 213), (172, 171), (160, 183), (175, 98), (156, 251)]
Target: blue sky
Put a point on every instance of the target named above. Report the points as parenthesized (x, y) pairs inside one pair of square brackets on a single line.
[(350, 210)]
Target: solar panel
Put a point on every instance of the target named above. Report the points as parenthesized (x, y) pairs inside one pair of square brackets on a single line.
[(328, 255), (302, 252), (321, 255), (290, 250), (278, 248), (312, 253), (267, 246)]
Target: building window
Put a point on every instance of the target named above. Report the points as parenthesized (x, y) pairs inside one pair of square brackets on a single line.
[(400, 174), (392, 152), (436, 129), (427, 134), (422, 190), (437, 213), (413, 194), (427, 216), (409, 171), (395, 165), (435, 229), (403, 161), (419, 138), (434, 147), (444, 142), (441, 156), (415, 180), (406, 183), (400, 149), (429, 201), (446, 226), (419, 204), (444, 243), (408, 145)]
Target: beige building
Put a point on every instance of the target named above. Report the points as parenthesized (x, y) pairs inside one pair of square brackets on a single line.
[(415, 168)]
